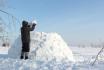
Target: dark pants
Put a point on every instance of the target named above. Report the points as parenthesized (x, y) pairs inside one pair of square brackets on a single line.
[(25, 50)]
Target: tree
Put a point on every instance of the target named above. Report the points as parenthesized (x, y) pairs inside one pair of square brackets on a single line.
[(3, 3)]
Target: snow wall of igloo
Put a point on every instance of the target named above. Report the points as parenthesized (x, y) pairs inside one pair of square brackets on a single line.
[(43, 46)]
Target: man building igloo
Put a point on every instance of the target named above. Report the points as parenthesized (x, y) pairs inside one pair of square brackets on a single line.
[(44, 46)]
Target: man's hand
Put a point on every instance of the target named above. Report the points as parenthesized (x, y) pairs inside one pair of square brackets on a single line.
[(34, 24)]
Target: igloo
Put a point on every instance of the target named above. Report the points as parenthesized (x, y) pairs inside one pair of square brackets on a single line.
[(43, 46)]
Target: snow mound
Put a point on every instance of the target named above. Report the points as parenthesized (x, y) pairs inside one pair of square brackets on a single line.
[(43, 46)]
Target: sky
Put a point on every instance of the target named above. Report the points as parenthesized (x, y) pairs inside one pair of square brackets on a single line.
[(77, 21)]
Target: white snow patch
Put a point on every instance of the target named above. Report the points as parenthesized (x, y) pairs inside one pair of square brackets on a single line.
[(4, 50)]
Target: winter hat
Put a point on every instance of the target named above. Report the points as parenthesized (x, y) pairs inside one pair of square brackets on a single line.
[(24, 23)]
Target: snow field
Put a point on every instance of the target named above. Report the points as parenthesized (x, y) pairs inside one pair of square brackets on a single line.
[(50, 52)]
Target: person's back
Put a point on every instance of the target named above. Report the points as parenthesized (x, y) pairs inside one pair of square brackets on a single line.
[(25, 34), (25, 37), (25, 31)]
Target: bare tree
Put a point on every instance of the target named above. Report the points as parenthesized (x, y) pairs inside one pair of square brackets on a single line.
[(1, 25)]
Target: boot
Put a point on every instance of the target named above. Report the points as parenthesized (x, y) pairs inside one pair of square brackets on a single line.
[(22, 55), (26, 55)]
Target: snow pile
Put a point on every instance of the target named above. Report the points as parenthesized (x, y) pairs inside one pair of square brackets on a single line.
[(44, 46)]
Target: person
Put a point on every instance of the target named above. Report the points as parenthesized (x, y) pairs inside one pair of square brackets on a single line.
[(25, 37)]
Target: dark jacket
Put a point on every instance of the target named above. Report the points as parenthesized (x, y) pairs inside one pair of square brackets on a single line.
[(25, 32)]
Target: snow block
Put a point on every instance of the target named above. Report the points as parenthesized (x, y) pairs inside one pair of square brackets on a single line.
[(43, 46)]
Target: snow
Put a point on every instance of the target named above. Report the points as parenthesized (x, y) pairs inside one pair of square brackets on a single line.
[(44, 46), (83, 62), (85, 57), (40, 45), (4, 50)]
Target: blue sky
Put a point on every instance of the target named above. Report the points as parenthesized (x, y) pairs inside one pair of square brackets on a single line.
[(77, 21)]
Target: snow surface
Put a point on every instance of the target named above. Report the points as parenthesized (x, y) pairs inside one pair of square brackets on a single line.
[(4, 50), (84, 57)]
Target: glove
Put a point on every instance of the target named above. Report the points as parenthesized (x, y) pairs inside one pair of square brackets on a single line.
[(34, 24)]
